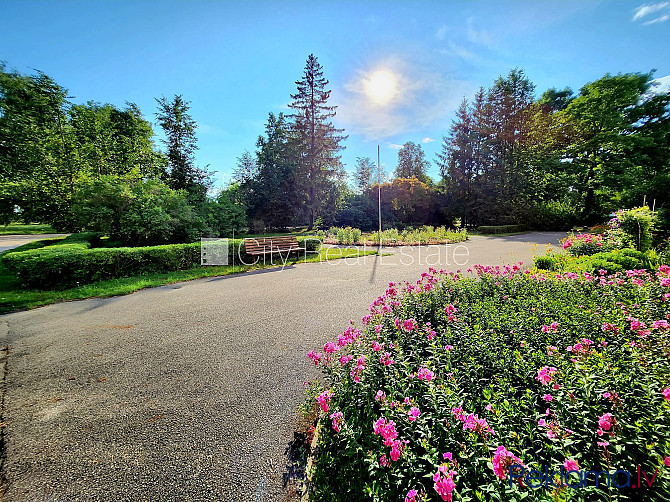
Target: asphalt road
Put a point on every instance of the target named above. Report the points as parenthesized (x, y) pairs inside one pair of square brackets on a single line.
[(14, 241), (188, 391)]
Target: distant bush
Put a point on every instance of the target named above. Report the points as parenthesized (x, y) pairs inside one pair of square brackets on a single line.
[(136, 212), (553, 215), (501, 229)]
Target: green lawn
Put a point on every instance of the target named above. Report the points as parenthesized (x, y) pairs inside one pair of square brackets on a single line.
[(16, 229), (13, 298)]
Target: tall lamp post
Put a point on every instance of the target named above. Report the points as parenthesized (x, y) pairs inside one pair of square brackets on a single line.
[(379, 197)]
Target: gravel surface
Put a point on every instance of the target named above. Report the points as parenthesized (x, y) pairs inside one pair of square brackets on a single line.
[(188, 391)]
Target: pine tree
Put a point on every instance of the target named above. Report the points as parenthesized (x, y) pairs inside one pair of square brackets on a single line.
[(318, 141), (181, 144)]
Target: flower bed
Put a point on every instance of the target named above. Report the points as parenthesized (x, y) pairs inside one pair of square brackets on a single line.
[(453, 380)]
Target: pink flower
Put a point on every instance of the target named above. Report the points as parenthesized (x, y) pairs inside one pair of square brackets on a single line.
[(547, 397), (663, 324), (425, 374), (384, 461), (666, 394), (412, 496), (544, 375), (314, 356), (345, 359), (666, 461), (606, 422), (448, 456), (448, 348), (570, 465), (444, 483), (381, 396), (376, 346), (338, 418), (488, 407), (414, 413), (475, 424), (450, 311), (386, 359), (502, 460), (324, 398)]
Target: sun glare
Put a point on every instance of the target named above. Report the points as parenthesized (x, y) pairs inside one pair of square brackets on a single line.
[(380, 86)]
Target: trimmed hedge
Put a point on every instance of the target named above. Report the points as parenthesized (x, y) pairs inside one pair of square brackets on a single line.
[(501, 229), (611, 261), (71, 263)]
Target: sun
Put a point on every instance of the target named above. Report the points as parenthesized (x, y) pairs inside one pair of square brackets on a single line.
[(380, 86)]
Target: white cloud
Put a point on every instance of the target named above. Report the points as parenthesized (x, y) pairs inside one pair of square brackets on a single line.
[(441, 32), (427, 140), (454, 49), (476, 36), (422, 98), (659, 19), (646, 9), (394, 146)]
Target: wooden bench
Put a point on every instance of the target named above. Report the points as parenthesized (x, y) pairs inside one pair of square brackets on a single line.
[(268, 245)]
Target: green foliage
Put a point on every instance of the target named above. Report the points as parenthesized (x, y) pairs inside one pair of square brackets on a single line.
[(51, 146), (348, 235), (637, 224), (67, 265), (504, 348), (31, 229), (500, 229), (136, 212), (412, 163), (552, 215)]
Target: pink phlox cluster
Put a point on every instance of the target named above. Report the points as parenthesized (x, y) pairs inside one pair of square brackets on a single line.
[(385, 359), (425, 374), (545, 374), (502, 460), (358, 370), (444, 484), (324, 398), (337, 419)]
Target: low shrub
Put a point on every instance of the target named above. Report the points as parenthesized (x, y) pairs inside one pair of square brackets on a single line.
[(500, 229), (423, 235), (451, 380), (589, 244), (348, 235), (545, 262)]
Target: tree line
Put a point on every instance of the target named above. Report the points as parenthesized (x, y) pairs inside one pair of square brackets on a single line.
[(552, 162)]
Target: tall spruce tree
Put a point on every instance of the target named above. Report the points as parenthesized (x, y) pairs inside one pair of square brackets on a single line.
[(318, 141), (181, 143)]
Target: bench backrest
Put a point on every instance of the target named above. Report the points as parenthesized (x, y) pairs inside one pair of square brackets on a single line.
[(267, 244)]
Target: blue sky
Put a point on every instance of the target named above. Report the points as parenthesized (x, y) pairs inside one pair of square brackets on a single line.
[(237, 61)]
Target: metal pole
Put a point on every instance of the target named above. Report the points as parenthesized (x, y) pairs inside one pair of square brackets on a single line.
[(379, 185)]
